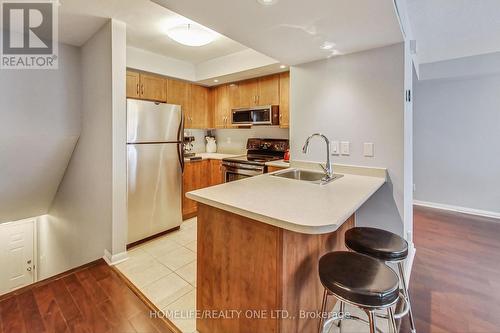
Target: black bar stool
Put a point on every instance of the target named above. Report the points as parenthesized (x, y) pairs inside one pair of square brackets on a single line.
[(361, 281), (385, 246)]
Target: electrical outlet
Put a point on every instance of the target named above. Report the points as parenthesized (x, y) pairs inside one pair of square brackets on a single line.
[(368, 149), (345, 148), (335, 148)]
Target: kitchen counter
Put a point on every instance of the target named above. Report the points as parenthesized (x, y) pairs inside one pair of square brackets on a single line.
[(292, 204), (278, 164), (260, 240), (211, 156)]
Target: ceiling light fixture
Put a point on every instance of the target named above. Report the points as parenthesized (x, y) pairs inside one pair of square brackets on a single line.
[(327, 46), (267, 2), (282, 66), (216, 80), (192, 34)]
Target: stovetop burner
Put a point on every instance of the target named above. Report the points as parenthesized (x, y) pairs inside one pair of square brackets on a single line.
[(252, 159), (261, 151)]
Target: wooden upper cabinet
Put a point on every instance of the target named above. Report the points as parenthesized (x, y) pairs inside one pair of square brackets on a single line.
[(285, 100), (153, 88), (179, 92), (221, 106), (133, 85), (234, 96), (248, 91), (146, 86), (199, 115), (256, 92), (269, 90)]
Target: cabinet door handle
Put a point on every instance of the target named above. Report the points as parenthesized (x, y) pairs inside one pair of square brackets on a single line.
[(137, 88), (142, 89), (28, 269)]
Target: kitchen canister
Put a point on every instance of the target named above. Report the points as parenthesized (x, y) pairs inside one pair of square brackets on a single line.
[(211, 144)]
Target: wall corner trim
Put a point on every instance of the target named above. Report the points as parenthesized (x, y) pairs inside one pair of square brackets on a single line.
[(409, 262), (459, 209), (114, 259)]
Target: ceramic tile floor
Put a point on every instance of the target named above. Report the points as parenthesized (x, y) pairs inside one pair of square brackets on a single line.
[(164, 269)]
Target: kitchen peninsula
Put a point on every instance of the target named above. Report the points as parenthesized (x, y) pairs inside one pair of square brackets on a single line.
[(259, 241)]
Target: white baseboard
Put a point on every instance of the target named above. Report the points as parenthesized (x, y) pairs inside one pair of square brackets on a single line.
[(114, 259), (465, 210)]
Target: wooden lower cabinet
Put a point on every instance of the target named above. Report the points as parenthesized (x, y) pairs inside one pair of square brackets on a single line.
[(257, 268), (273, 168), (216, 173), (197, 175)]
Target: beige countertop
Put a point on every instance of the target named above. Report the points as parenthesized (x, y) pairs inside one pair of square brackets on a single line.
[(212, 156), (295, 205), (278, 164)]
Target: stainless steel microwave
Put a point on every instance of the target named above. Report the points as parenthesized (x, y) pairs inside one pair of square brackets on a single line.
[(256, 115)]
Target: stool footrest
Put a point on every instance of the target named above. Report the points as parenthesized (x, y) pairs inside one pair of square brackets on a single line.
[(398, 315)]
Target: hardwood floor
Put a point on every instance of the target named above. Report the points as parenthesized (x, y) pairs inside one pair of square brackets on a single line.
[(455, 283), (93, 299)]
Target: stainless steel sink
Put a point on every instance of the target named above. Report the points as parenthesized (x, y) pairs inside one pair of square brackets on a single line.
[(307, 176)]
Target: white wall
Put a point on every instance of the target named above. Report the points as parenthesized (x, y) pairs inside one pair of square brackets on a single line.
[(232, 63), (156, 63), (80, 222), (457, 142), (119, 132), (485, 64), (39, 125), (357, 98)]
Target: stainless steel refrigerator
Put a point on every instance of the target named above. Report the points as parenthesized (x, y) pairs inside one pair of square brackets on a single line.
[(154, 170)]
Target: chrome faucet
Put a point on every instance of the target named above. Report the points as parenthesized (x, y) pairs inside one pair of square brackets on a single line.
[(329, 168)]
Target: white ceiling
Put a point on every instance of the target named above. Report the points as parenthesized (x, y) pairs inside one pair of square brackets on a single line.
[(146, 23), (292, 31), (450, 29)]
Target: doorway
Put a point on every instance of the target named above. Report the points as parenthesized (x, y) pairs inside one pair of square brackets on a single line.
[(16, 255)]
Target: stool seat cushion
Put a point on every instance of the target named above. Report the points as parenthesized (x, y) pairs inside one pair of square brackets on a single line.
[(359, 279), (377, 243)]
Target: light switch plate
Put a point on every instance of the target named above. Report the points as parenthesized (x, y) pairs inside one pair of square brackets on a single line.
[(368, 149), (345, 148), (335, 148)]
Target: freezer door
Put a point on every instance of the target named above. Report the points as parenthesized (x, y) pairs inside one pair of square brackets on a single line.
[(153, 122), (154, 189)]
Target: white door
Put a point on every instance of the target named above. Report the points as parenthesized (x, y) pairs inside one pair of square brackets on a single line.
[(16, 255)]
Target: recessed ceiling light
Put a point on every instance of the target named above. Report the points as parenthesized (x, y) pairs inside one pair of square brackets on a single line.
[(282, 66), (192, 34), (327, 46), (267, 2), (216, 80)]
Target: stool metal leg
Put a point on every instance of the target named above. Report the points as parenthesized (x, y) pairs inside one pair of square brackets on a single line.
[(371, 320), (406, 295), (392, 322), (341, 313), (323, 309)]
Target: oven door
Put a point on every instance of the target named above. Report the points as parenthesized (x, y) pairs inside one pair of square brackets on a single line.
[(232, 172)]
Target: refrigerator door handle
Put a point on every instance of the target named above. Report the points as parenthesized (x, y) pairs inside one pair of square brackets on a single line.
[(180, 138)]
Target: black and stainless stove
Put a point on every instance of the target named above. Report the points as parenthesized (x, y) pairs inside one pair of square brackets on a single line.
[(259, 151)]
